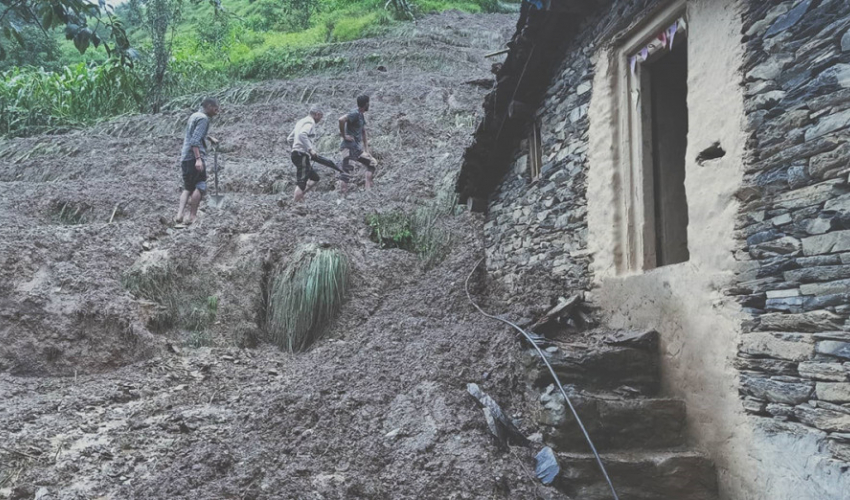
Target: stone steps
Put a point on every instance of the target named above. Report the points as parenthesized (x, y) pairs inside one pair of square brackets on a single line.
[(656, 475), (613, 423), (611, 378), (600, 366)]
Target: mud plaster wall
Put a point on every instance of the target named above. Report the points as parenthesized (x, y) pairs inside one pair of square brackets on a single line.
[(690, 303)]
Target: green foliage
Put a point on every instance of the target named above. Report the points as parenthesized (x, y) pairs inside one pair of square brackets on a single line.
[(183, 300), (305, 296), (181, 51), (391, 230), (35, 100), (38, 47), (418, 232), (74, 16), (347, 28)]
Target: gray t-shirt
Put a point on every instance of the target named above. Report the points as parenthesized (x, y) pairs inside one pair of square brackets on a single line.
[(354, 125), (196, 135)]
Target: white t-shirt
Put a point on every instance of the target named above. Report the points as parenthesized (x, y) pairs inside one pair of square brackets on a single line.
[(301, 136)]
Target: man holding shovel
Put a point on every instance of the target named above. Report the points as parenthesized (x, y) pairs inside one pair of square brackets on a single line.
[(301, 139), (192, 161)]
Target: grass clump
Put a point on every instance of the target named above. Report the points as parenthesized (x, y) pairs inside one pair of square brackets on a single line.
[(71, 214), (182, 301), (418, 232), (391, 230), (305, 296)]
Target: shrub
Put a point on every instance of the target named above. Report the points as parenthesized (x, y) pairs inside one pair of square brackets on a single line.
[(305, 296), (391, 230), (418, 232)]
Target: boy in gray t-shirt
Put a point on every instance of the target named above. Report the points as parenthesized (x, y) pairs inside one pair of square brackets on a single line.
[(355, 146)]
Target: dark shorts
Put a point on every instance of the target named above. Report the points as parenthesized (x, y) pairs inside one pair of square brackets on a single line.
[(351, 155), (304, 170), (192, 179)]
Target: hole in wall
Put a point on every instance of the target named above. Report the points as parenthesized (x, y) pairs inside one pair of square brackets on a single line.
[(713, 152)]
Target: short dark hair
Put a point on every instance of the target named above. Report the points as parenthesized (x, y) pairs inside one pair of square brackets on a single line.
[(209, 101), (362, 100)]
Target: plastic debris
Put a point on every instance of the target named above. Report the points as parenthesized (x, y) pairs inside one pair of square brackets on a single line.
[(547, 466)]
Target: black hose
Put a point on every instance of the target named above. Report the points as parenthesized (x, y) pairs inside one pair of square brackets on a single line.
[(554, 375)]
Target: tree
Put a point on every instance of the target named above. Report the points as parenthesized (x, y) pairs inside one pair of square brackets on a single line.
[(300, 12), (161, 16), (85, 23), (38, 50)]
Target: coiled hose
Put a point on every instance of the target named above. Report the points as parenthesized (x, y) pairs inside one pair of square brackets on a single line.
[(554, 376)]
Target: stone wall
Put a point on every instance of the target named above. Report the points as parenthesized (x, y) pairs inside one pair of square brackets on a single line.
[(536, 232), (794, 224)]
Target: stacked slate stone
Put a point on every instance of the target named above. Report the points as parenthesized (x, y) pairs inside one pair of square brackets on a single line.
[(536, 231), (794, 224)]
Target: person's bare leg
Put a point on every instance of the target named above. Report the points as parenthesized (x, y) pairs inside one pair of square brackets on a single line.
[(184, 197), (194, 201), (299, 194), (369, 175)]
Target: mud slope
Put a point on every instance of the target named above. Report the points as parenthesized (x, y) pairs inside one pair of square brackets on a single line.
[(101, 400)]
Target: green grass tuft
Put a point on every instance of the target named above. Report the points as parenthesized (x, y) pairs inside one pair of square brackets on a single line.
[(305, 296), (418, 232), (183, 301)]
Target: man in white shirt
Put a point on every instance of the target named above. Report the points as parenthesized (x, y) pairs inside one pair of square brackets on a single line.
[(301, 139)]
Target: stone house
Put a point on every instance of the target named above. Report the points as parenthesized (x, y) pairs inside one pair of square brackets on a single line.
[(685, 164)]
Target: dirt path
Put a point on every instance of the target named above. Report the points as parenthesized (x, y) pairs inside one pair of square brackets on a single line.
[(100, 403)]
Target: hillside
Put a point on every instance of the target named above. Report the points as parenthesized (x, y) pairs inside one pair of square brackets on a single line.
[(104, 399)]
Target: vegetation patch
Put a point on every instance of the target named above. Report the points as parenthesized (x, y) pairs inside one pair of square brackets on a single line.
[(419, 232), (70, 214), (305, 296), (391, 230), (182, 300)]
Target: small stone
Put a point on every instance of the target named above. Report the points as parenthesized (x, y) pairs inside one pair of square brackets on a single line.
[(841, 203), (812, 321), (828, 288), (827, 420), (837, 241), (789, 19), (781, 294), (836, 392), (819, 225), (808, 196), (789, 346), (819, 274), (834, 348), (777, 391), (833, 372), (781, 246), (781, 220), (825, 164), (828, 124)]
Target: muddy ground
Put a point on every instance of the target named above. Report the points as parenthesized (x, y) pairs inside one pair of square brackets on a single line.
[(102, 400)]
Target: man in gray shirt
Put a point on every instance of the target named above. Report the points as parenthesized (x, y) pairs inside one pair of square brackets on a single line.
[(192, 160), (355, 147)]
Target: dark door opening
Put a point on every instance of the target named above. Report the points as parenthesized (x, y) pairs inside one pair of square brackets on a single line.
[(668, 82)]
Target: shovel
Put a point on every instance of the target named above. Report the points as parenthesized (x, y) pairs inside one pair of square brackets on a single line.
[(217, 199)]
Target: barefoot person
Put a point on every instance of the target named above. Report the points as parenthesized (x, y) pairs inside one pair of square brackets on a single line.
[(301, 140), (355, 146), (192, 161)]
